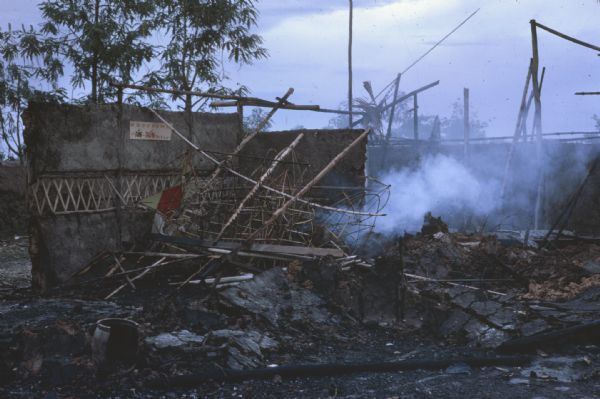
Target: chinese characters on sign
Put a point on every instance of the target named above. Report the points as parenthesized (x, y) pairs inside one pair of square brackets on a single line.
[(149, 131)]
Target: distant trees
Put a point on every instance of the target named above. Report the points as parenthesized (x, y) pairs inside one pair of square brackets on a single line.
[(451, 127), (170, 43), (596, 120), (252, 121)]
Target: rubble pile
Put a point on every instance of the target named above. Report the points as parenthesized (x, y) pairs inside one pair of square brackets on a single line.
[(465, 291)]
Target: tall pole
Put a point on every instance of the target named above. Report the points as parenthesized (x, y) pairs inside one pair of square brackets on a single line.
[(537, 121), (350, 67), (415, 117), (389, 129), (466, 121)]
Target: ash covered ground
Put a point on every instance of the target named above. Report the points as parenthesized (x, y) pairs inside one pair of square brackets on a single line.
[(433, 297)]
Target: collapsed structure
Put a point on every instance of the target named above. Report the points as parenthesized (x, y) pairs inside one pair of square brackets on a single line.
[(99, 173)]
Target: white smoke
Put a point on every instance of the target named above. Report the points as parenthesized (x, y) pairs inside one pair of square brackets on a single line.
[(440, 185)]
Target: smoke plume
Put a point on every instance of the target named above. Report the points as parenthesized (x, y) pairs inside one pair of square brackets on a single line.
[(438, 184)]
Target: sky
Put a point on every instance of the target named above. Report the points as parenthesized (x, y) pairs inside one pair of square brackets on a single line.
[(307, 43)]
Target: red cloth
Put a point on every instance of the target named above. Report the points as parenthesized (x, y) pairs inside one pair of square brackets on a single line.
[(170, 200)]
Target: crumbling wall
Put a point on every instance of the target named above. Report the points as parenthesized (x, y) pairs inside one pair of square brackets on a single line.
[(14, 216), (86, 174), (565, 166)]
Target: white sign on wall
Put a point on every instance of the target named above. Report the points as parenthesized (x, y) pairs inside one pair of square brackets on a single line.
[(149, 131)]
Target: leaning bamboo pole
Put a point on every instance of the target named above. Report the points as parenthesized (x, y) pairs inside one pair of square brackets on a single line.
[(249, 137), (252, 181), (281, 156), (309, 185), (511, 150)]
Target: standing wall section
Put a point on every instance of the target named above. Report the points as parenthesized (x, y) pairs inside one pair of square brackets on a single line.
[(80, 157)]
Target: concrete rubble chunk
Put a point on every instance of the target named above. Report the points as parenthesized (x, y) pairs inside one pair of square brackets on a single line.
[(272, 297), (245, 348), (175, 339)]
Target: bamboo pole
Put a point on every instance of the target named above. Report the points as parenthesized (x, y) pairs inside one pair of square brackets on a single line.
[(411, 94), (586, 135), (523, 132), (566, 37), (417, 277), (466, 125), (249, 137), (263, 104), (350, 65), (308, 186), (415, 117), (393, 110), (179, 92), (222, 280), (142, 274), (282, 155), (511, 150), (537, 122)]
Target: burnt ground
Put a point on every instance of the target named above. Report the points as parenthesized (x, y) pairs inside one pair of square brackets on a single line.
[(14, 214), (45, 339), (15, 265)]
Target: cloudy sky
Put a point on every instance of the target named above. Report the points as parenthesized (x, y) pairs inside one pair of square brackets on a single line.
[(307, 42)]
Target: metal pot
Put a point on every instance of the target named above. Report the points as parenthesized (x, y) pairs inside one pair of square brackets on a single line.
[(115, 340)]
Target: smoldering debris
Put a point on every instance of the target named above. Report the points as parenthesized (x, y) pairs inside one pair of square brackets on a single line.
[(465, 291), (437, 184)]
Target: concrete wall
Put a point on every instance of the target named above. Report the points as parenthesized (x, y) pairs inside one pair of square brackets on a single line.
[(565, 165), (14, 216), (80, 156), (316, 149), (74, 151), (70, 138)]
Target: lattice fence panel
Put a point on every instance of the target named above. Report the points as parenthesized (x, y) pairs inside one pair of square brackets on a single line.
[(85, 194)]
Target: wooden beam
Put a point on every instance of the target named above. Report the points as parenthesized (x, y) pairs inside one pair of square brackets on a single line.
[(263, 104), (266, 248), (566, 37), (177, 92), (289, 106), (411, 94)]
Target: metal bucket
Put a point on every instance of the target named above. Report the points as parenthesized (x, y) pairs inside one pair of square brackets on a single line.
[(115, 340)]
